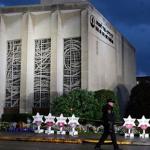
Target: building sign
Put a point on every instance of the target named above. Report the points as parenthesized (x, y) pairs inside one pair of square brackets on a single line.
[(101, 29)]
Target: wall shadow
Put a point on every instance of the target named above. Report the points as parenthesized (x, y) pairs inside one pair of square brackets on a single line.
[(123, 96)]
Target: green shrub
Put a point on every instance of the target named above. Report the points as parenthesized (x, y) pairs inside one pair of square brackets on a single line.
[(16, 117), (79, 102), (139, 103), (84, 104)]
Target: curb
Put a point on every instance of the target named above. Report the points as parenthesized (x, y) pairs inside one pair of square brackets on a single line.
[(107, 142), (70, 141), (50, 140)]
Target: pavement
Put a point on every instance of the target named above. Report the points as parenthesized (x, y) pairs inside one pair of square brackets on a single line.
[(32, 137)]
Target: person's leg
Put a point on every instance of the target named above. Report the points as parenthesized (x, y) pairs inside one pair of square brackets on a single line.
[(114, 140), (102, 139)]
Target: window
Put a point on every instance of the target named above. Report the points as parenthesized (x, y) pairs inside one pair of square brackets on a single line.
[(72, 64), (13, 73), (42, 73)]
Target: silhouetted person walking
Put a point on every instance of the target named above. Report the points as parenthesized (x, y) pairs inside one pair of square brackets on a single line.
[(108, 119)]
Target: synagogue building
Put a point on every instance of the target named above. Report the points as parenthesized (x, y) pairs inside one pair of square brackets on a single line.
[(58, 46)]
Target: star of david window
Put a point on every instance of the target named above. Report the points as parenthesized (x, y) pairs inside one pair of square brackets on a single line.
[(72, 64)]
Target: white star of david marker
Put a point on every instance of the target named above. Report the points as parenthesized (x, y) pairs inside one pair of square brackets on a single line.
[(129, 121), (37, 118), (73, 120), (143, 122), (61, 119), (49, 118)]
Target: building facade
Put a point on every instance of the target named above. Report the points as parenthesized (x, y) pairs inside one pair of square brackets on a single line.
[(55, 47)]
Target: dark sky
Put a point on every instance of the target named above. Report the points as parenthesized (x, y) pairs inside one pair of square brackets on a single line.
[(130, 17)]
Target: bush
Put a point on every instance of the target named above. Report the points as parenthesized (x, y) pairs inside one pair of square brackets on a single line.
[(79, 102), (16, 117), (139, 103), (84, 104)]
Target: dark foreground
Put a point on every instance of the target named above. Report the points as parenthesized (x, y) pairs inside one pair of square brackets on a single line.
[(18, 145)]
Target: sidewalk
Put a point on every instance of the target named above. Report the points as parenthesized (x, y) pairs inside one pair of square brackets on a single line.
[(32, 137)]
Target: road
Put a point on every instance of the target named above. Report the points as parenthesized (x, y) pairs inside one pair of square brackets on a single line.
[(15, 145)]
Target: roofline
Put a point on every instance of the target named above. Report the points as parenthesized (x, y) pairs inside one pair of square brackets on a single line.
[(53, 7), (44, 7)]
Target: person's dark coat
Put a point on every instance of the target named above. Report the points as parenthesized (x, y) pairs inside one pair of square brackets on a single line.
[(108, 117)]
